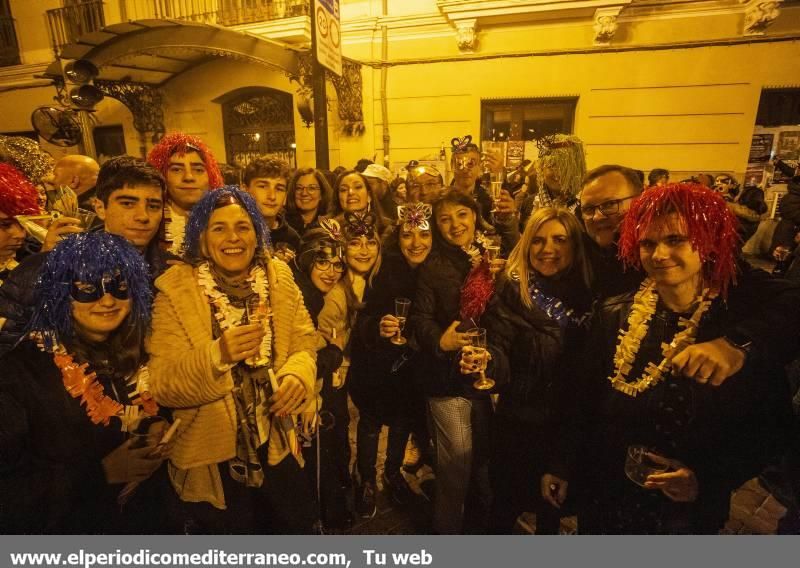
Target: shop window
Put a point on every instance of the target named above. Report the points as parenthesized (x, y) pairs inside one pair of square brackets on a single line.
[(778, 107), (525, 119)]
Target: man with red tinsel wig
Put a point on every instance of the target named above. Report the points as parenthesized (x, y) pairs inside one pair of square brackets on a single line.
[(191, 170)]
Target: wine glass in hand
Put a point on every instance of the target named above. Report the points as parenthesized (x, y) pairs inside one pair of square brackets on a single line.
[(401, 306), (477, 341)]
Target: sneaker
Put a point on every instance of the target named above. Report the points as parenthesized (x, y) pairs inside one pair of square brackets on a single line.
[(365, 500), (397, 487)]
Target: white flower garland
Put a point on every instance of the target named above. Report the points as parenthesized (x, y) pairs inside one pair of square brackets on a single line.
[(644, 306), (224, 314)]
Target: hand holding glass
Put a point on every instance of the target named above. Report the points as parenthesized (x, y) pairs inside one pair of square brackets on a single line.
[(639, 466), (401, 306), (477, 341)]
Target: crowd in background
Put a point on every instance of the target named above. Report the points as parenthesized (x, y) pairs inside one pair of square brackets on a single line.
[(183, 342)]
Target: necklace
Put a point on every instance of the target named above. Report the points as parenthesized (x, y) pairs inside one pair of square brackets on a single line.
[(99, 407), (644, 307), (174, 230), (223, 313), (8, 266)]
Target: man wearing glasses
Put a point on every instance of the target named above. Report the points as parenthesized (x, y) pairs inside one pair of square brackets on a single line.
[(425, 184)]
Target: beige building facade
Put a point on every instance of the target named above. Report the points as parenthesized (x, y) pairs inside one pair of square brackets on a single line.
[(647, 83)]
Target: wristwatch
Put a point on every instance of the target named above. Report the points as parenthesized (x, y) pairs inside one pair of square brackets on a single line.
[(739, 341)]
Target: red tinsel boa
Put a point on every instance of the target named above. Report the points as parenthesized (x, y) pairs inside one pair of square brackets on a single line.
[(476, 292)]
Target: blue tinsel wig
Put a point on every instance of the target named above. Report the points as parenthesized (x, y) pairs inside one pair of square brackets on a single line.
[(86, 257), (201, 214)]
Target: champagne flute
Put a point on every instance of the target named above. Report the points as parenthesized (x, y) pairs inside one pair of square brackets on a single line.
[(254, 311), (492, 248), (401, 306), (477, 340)]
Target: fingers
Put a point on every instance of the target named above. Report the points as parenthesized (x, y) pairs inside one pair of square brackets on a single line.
[(289, 397)]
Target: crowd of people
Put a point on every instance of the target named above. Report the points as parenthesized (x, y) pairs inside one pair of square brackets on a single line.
[(543, 339)]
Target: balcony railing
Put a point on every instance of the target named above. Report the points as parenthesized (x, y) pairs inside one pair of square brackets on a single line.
[(220, 12), (71, 22), (9, 49)]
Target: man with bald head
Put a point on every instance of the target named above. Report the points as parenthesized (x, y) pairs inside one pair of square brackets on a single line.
[(80, 174)]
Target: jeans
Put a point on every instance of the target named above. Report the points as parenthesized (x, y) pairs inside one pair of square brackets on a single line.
[(369, 430)]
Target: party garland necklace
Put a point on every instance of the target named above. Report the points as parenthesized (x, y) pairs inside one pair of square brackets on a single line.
[(8, 265), (174, 230), (224, 314), (642, 311), (99, 407), (555, 308)]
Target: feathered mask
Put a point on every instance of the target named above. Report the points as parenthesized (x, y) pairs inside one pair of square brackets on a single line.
[(331, 226), (416, 216), (359, 224), (462, 145)]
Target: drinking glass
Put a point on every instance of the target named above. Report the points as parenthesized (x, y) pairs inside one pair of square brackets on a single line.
[(477, 340), (495, 187), (492, 248), (86, 217), (147, 431), (401, 306), (639, 465), (254, 311)]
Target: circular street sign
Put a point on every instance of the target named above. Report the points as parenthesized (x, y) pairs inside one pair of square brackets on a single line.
[(335, 37), (322, 22)]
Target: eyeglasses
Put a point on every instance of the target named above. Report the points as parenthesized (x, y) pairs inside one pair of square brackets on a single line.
[(428, 186), (607, 208), (325, 264), (306, 188)]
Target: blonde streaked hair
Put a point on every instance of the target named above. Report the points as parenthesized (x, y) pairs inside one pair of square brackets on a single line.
[(518, 266)]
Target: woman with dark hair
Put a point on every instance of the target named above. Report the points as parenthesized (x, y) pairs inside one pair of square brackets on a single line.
[(664, 441), (320, 267), (535, 323), (352, 193), (308, 197), (71, 393), (383, 381), (233, 350), (453, 286)]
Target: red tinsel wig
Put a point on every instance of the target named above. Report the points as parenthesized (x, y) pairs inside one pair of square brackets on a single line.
[(180, 143), (18, 196), (709, 224)]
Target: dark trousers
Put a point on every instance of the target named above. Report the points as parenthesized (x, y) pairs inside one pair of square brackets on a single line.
[(282, 505), (515, 471), (369, 430), (334, 457)]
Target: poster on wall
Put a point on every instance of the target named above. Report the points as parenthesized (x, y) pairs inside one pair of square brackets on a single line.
[(788, 145), (760, 148), (754, 176)]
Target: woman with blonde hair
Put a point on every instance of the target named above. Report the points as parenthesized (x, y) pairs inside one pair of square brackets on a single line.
[(536, 321)]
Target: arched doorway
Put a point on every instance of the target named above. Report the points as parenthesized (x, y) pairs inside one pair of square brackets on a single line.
[(258, 121)]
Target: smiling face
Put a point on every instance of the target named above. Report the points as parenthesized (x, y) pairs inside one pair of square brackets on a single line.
[(361, 254), (326, 273), (96, 320), (668, 256), (133, 212), (187, 179), (353, 194), (270, 194), (456, 223), (415, 245), (12, 236), (229, 241), (307, 193), (426, 188), (552, 250)]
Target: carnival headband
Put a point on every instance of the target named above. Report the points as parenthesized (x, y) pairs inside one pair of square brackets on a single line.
[(360, 224), (27, 156), (417, 169), (549, 142), (415, 216), (331, 226), (462, 145)]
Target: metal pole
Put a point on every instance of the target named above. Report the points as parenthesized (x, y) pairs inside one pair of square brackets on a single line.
[(320, 100)]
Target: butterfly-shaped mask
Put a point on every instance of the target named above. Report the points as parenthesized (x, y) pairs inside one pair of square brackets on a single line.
[(415, 216)]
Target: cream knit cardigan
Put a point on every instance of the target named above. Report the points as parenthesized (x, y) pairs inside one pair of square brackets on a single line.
[(184, 378)]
